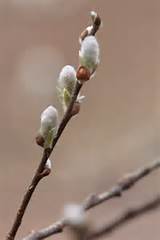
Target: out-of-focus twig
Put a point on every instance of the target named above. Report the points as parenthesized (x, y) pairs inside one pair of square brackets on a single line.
[(124, 184), (125, 217)]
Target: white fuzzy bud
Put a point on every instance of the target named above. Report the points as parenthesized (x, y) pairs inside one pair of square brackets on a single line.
[(48, 164), (93, 15), (67, 78), (49, 119), (66, 83), (74, 215), (80, 98), (89, 53), (49, 125)]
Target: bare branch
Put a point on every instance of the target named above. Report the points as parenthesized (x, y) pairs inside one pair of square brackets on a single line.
[(40, 173), (127, 216), (126, 183), (55, 228)]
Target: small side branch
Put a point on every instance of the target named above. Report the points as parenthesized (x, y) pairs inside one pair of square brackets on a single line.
[(124, 184), (128, 181), (55, 228), (128, 216)]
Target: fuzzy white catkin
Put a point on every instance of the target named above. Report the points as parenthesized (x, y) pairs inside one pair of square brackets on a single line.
[(89, 53), (74, 215), (49, 120), (67, 78)]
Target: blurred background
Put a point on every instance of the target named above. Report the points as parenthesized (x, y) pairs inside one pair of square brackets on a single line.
[(117, 129)]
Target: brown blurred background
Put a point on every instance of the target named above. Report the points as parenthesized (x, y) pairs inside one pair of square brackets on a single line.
[(117, 129)]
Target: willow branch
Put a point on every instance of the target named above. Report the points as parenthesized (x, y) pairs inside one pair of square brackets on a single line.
[(124, 184), (39, 173), (46, 153), (128, 216)]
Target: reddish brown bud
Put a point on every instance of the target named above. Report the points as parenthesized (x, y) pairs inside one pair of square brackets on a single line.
[(40, 140), (76, 108), (83, 74)]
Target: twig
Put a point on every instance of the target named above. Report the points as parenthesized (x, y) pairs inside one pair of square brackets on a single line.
[(55, 228), (126, 183), (38, 175), (46, 153), (127, 216), (96, 23)]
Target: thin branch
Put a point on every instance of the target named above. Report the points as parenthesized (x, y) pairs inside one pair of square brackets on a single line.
[(127, 216), (46, 153), (124, 184), (38, 175), (55, 228)]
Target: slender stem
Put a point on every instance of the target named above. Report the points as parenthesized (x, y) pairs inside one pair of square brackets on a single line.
[(124, 184), (125, 217), (38, 176), (47, 152)]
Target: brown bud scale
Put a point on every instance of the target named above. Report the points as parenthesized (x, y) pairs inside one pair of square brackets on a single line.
[(40, 140), (83, 74)]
